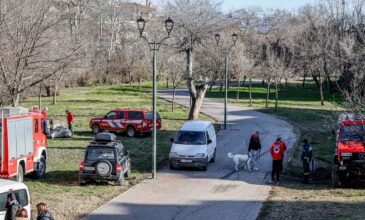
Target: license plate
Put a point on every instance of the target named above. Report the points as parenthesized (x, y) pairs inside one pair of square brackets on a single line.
[(342, 168), (89, 168), (186, 161)]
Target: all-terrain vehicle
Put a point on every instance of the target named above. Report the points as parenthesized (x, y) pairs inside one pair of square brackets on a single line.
[(349, 157), (105, 160)]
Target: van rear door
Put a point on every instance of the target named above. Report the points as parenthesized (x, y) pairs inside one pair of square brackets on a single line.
[(22, 197)]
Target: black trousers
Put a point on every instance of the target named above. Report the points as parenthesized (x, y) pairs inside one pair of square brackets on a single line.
[(277, 167), (70, 127)]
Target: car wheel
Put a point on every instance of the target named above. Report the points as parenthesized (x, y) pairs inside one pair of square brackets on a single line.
[(128, 174), (82, 182), (103, 168), (213, 158), (172, 167), (336, 180), (20, 176), (205, 167), (131, 132), (96, 128), (120, 181), (42, 166)]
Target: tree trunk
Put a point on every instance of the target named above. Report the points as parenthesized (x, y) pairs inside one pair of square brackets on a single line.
[(316, 80), (139, 83), (167, 82), (211, 86), (238, 90), (15, 100), (330, 89), (304, 79), (173, 99), (55, 94), (267, 94), (321, 89), (250, 91), (197, 92), (48, 90), (221, 87), (197, 101), (40, 95), (130, 79), (276, 96)]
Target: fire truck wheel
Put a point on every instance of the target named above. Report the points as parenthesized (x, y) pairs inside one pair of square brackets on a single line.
[(131, 131), (335, 177), (41, 171), (96, 128), (20, 176)]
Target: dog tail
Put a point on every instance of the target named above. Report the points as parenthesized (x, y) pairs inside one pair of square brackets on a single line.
[(230, 155)]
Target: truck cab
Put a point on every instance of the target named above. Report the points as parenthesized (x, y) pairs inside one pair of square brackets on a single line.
[(349, 157)]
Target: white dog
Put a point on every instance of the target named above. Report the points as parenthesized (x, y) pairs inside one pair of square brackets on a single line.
[(245, 158)]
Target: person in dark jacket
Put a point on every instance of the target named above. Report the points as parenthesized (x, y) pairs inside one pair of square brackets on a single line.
[(254, 149), (306, 158), (12, 207), (43, 213)]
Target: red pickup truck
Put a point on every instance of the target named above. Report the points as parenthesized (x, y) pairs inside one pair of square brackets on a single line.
[(132, 121)]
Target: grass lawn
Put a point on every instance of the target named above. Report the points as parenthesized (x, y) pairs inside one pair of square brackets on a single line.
[(291, 199), (60, 189)]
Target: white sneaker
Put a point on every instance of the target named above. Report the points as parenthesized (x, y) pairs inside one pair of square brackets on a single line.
[(256, 168)]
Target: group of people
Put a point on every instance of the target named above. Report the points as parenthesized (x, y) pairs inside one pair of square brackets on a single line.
[(277, 151), (69, 117), (16, 212)]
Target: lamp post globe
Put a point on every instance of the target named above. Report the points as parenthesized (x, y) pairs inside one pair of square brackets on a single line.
[(234, 38), (141, 24), (169, 25), (217, 38)]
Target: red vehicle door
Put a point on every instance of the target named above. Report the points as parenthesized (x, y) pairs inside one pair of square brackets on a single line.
[(108, 121), (121, 122)]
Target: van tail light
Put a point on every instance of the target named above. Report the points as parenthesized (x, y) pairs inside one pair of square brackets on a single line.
[(118, 168), (82, 166)]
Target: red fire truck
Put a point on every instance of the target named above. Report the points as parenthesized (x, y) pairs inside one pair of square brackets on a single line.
[(349, 157), (23, 143)]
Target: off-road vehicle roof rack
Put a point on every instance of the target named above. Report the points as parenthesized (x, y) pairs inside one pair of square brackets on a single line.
[(105, 138)]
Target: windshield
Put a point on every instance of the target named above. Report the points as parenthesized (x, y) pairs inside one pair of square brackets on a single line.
[(100, 154), (149, 115), (191, 138), (352, 133)]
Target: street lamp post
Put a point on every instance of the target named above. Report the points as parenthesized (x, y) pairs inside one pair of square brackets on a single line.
[(226, 54), (154, 47)]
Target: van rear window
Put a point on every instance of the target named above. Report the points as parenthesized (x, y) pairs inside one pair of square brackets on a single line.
[(21, 196)]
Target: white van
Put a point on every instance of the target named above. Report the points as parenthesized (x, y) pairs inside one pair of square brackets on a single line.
[(21, 192), (194, 145)]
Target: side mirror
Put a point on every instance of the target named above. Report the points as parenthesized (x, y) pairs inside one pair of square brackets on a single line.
[(209, 141), (171, 140)]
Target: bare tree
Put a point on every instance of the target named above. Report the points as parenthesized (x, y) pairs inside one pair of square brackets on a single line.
[(195, 24)]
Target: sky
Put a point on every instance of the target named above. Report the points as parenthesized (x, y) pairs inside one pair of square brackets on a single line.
[(229, 5)]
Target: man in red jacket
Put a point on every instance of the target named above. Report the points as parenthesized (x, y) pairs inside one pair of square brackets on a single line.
[(70, 120), (277, 153)]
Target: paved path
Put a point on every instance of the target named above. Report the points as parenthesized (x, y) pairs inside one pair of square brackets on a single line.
[(219, 193)]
